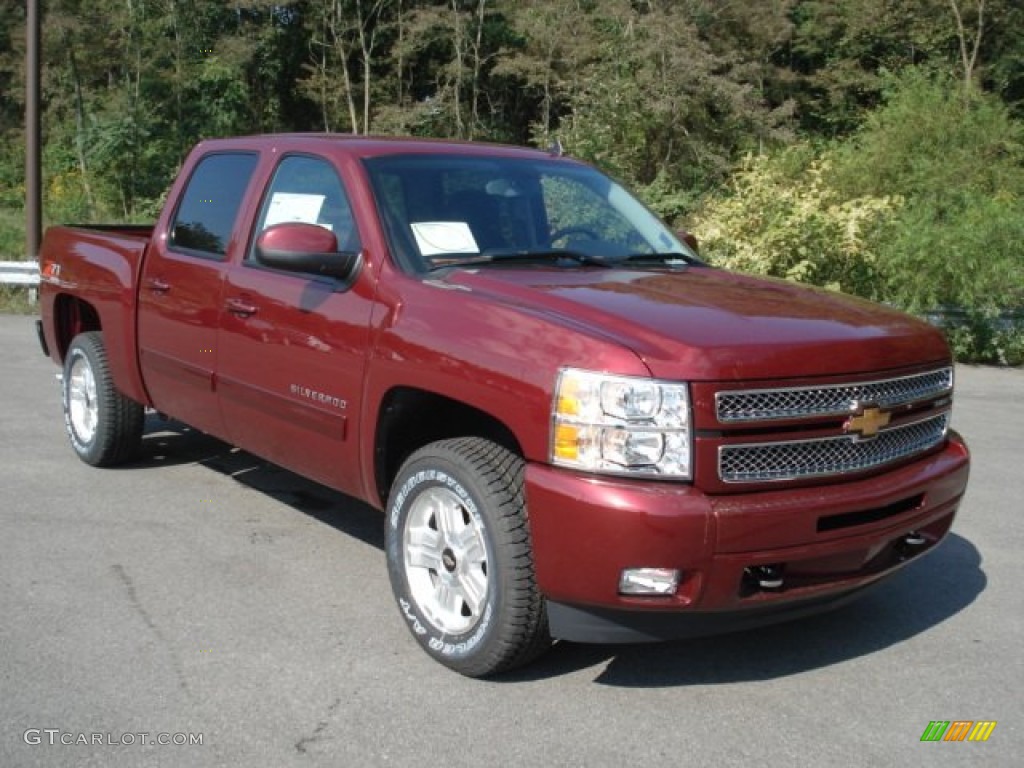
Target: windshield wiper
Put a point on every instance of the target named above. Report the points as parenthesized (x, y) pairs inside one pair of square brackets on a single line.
[(444, 260), (674, 259)]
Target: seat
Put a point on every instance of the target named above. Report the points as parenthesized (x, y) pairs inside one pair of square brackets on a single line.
[(483, 215)]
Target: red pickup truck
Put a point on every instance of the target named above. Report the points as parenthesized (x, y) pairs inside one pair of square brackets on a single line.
[(576, 429)]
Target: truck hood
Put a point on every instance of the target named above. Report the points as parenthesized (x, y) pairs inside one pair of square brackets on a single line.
[(701, 323)]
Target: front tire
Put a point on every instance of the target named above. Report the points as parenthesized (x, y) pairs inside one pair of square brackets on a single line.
[(104, 426), (459, 557)]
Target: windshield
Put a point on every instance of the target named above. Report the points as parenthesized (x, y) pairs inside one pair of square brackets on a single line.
[(452, 209)]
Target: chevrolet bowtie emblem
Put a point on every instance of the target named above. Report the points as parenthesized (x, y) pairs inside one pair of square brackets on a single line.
[(867, 422)]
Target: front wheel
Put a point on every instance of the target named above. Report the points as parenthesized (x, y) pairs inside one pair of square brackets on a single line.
[(459, 557), (104, 426)]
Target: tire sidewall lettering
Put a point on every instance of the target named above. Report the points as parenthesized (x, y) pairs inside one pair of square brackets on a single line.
[(461, 648), (412, 618), (435, 641)]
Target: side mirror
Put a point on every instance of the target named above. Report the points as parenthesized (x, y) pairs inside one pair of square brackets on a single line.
[(296, 246), (690, 239)]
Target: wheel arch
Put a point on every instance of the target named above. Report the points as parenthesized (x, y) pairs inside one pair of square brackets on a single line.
[(410, 418), (71, 317)]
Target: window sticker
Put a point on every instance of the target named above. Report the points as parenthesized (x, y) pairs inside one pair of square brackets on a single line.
[(293, 206), (435, 237)]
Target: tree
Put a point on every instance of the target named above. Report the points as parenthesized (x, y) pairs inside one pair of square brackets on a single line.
[(842, 49), (655, 101), (969, 42), (343, 46), (959, 165)]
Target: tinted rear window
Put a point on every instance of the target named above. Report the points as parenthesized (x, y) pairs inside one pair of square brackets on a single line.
[(209, 206)]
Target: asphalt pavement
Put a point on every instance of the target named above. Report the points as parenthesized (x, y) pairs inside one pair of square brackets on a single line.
[(202, 595)]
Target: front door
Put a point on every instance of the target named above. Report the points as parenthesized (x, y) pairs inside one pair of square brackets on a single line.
[(293, 346)]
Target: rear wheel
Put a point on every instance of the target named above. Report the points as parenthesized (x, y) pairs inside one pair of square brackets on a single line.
[(459, 557), (104, 426)]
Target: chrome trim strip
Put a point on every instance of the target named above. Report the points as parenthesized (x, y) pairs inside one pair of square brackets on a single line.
[(829, 456), (747, 405)]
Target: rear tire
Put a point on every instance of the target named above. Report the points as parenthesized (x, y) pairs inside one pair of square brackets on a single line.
[(460, 560), (104, 426)]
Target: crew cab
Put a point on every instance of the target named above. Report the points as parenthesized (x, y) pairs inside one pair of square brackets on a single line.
[(574, 427)]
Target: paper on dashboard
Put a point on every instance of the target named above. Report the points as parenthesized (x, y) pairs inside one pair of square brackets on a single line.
[(436, 237), (294, 206)]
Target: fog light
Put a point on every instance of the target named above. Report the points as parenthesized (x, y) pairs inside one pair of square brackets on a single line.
[(648, 581)]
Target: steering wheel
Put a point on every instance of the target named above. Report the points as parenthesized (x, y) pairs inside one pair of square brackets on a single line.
[(590, 234)]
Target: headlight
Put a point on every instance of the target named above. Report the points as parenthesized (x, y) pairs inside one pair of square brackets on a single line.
[(621, 425)]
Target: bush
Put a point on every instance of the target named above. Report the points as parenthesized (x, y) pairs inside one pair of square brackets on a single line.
[(958, 163), (14, 299), (783, 218), (986, 337), (12, 234), (922, 208)]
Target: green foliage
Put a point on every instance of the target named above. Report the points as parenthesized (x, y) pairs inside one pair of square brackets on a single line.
[(657, 105), (843, 46), (923, 208), (15, 299), (12, 234), (917, 200), (667, 94), (841, 50), (666, 198), (1003, 55), (783, 218), (1007, 347), (986, 337), (958, 162)]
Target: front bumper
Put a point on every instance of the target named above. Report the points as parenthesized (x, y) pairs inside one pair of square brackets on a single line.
[(829, 542)]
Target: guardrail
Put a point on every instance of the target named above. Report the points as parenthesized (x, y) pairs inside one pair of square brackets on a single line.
[(953, 317), (24, 273)]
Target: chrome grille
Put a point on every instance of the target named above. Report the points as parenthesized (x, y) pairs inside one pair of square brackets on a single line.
[(797, 459), (830, 400)]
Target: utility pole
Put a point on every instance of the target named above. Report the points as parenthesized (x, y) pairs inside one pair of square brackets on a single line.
[(33, 142)]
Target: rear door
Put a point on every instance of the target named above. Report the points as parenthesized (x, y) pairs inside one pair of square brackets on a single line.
[(293, 345), (181, 290)]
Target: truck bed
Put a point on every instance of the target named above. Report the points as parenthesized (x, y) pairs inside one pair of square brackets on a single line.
[(101, 262)]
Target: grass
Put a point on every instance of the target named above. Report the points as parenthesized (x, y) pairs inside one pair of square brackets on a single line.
[(14, 300), (12, 234)]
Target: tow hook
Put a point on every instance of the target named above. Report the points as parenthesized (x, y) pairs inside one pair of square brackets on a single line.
[(764, 577), (906, 545)]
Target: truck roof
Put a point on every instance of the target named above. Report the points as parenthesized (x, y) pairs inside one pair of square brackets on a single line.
[(370, 146)]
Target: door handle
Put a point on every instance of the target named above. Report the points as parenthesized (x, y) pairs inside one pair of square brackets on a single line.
[(158, 285), (241, 307)]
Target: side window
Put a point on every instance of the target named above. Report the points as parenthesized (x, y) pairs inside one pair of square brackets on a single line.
[(210, 203), (307, 189)]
